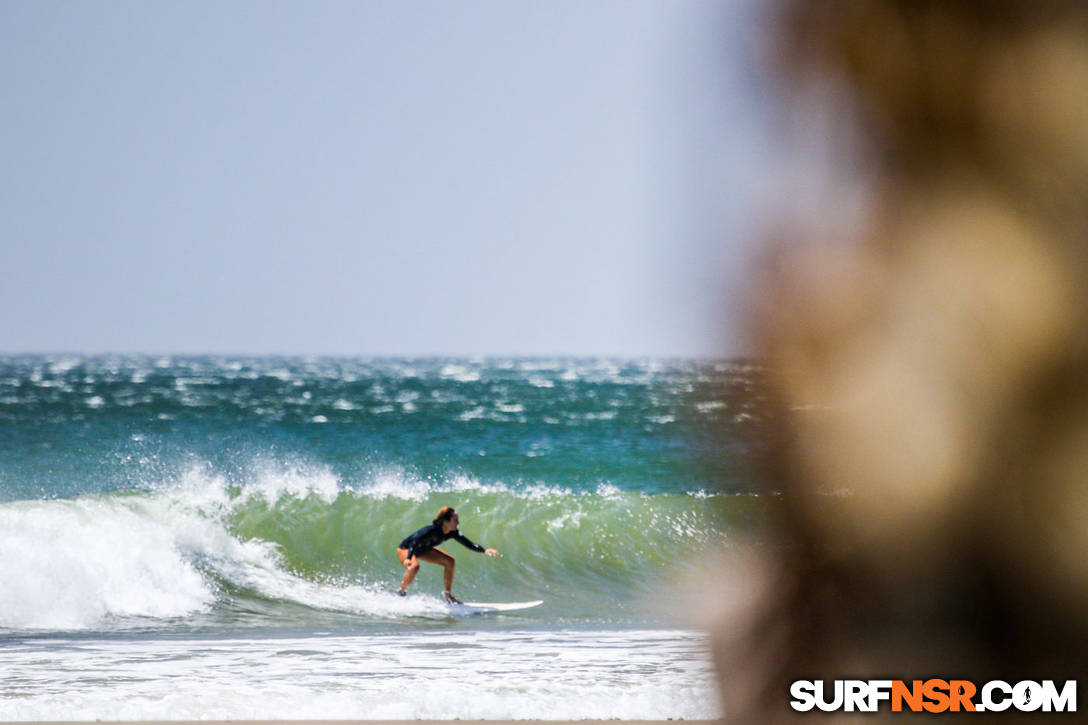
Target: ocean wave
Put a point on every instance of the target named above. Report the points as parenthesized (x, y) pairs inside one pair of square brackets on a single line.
[(209, 544)]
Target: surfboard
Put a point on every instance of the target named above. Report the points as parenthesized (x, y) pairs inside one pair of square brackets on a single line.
[(480, 607)]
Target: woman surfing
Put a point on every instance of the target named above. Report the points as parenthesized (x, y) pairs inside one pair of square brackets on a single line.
[(422, 546)]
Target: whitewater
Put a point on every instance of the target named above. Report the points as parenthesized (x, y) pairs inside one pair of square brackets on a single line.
[(215, 538)]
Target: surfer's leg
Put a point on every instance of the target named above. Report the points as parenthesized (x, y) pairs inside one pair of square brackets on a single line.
[(410, 574), (437, 556)]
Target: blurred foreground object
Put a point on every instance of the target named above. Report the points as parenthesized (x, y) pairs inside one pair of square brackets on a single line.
[(929, 368)]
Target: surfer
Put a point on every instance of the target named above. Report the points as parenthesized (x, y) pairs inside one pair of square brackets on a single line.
[(422, 546)]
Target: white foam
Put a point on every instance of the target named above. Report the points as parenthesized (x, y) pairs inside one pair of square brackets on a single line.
[(282, 374), (460, 373), (539, 492), (69, 565), (530, 366), (258, 570), (63, 365), (396, 483), (643, 674), (608, 490), (572, 518), (272, 482), (474, 414)]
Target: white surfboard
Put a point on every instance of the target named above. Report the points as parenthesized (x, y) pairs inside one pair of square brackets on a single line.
[(474, 607)]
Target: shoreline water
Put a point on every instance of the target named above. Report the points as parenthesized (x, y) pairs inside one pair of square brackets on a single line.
[(467, 674)]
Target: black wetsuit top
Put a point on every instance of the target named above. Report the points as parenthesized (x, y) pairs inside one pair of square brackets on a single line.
[(431, 536)]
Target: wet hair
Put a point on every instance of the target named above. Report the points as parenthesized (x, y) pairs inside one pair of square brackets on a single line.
[(444, 514)]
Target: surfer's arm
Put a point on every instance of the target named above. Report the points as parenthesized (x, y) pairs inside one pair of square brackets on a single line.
[(464, 541)]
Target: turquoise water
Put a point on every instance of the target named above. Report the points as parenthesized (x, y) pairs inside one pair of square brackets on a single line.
[(168, 502)]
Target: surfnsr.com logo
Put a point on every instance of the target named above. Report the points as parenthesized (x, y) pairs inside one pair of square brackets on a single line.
[(933, 696)]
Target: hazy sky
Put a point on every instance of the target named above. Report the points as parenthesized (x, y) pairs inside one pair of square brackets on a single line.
[(375, 178)]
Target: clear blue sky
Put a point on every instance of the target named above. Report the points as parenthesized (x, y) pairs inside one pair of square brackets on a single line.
[(376, 178)]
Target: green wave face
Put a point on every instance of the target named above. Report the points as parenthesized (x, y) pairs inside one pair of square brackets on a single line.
[(315, 552), (603, 551)]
